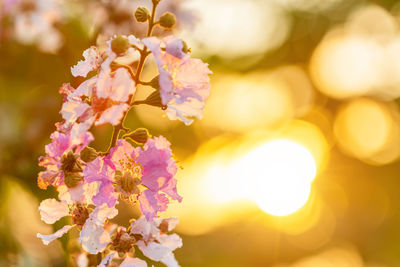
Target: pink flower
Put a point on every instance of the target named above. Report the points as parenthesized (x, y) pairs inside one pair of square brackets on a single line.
[(58, 159), (152, 167), (99, 100), (184, 81), (158, 175), (98, 171), (156, 244)]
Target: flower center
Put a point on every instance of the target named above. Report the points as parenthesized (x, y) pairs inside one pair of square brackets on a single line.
[(80, 214), (101, 104)]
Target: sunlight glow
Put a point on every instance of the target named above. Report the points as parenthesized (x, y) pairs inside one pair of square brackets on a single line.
[(280, 175)]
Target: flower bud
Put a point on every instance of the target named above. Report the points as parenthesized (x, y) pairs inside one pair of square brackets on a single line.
[(88, 154), (142, 14), (119, 45), (72, 179), (69, 163), (139, 136), (167, 20)]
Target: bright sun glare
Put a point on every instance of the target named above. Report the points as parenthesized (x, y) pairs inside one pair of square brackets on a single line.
[(279, 176)]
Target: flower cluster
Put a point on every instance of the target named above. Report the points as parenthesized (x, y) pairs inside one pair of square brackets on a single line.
[(40, 22), (136, 168), (35, 22)]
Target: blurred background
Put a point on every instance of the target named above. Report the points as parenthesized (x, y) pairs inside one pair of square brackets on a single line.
[(296, 162)]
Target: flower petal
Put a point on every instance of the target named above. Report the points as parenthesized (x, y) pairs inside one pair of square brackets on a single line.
[(133, 262), (91, 62), (93, 237), (151, 203), (113, 114), (107, 260), (49, 238), (52, 210)]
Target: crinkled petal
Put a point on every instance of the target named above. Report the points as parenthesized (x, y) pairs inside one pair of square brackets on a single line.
[(96, 170), (172, 222), (72, 110), (82, 193), (170, 189), (153, 250), (91, 62), (144, 228), (133, 262), (169, 260), (82, 260), (52, 210), (122, 151), (107, 260), (185, 111), (117, 86), (93, 237), (172, 241), (106, 194), (151, 203), (46, 178), (113, 114), (49, 238), (174, 46), (61, 143), (100, 214)]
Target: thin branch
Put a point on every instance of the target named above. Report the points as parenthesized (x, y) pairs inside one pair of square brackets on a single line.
[(135, 76)]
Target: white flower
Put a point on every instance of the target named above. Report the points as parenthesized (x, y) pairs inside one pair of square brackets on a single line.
[(92, 60), (93, 237), (156, 244)]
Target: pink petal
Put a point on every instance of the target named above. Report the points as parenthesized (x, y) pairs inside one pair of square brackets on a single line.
[(133, 262), (107, 260), (153, 250), (151, 203), (117, 86), (106, 194), (91, 62), (123, 151), (49, 238), (46, 178), (94, 238), (52, 210), (100, 214), (113, 114)]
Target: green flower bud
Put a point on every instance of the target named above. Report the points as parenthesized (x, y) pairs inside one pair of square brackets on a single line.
[(119, 45), (139, 136), (72, 179), (142, 14), (88, 154), (69, 163), (167, 20)]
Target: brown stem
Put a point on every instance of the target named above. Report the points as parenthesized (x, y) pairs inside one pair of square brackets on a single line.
[(143, 55)]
